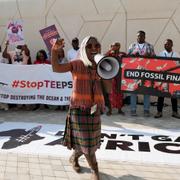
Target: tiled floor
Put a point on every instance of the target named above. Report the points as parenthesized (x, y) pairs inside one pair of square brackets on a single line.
[(31, 167), (34, 167)]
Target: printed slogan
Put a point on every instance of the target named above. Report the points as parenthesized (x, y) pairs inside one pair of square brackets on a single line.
[(154, 76), (34, 84), (140, 145)]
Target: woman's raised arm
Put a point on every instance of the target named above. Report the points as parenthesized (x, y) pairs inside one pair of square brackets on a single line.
[(59, 44)]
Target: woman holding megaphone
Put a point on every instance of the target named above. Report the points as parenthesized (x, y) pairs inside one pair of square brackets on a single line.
[(83, 125)]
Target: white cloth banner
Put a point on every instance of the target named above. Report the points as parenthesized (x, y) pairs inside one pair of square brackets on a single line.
[(32, 84), (117, 144)]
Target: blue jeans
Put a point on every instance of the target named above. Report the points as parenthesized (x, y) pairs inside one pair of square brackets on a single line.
[(134, 102)]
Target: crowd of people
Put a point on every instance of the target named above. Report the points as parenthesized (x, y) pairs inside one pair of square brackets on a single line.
[(114, 98), (91, 93)]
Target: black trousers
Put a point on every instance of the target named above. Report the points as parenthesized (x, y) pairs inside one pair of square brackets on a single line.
[(160, 104)]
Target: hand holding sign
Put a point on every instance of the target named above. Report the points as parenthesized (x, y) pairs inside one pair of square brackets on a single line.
[(58, 44), (49, 34)]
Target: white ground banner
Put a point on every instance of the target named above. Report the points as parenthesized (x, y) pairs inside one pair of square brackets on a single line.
[(133, 145), (32, 84)]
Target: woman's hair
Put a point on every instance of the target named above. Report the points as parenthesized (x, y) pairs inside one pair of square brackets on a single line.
[(42, 51), (83, 55)]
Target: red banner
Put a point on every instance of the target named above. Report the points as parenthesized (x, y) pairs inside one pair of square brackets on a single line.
[(154, 76)]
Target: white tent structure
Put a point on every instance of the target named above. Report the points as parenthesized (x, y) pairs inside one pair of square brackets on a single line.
[(109, 20)]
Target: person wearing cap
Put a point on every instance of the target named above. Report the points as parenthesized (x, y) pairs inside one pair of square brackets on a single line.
[(73, 52)]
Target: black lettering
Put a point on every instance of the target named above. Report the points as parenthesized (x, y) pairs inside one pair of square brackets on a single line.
[(161, 138), (70, 84), (123, 145), (112, 136), (64, 84), (163, 147), (136, 136), (143, 146)]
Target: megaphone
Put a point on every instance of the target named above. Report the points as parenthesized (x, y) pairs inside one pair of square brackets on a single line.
[(107, 66)]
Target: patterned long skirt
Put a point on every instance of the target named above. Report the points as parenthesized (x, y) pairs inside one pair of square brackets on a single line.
[(83, 131)]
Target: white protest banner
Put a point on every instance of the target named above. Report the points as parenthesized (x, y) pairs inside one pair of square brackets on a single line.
[(15, 33), (32, 84), (117, 144)]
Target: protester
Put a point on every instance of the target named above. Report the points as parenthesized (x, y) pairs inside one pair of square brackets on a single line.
[(143, 48), (3, 106), (20, 55), (83, 125), (116, 96), (2, 59), (106, 89), (41, 58), (62, 59), (168, 52), (73, 53)]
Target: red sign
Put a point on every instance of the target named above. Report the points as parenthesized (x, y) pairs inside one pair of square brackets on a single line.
[(154, 76)]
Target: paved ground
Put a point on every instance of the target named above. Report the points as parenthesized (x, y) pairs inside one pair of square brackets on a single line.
[(33, 167)]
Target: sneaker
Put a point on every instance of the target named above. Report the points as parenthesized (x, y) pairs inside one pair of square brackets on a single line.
[(158, 115), (133, 113), (176, 115), (146, 113)]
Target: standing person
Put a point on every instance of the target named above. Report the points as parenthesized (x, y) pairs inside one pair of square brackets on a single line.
[(20, 55), (116, 96), (143, 48), (168, 52), (83, 124), (3, 106), (73, 53), (41, 58), (62, 59), (106, 89), (2, 59)]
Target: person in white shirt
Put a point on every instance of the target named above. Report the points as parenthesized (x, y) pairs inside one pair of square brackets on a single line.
[(141, 48), (168, 52), (73, 53)]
